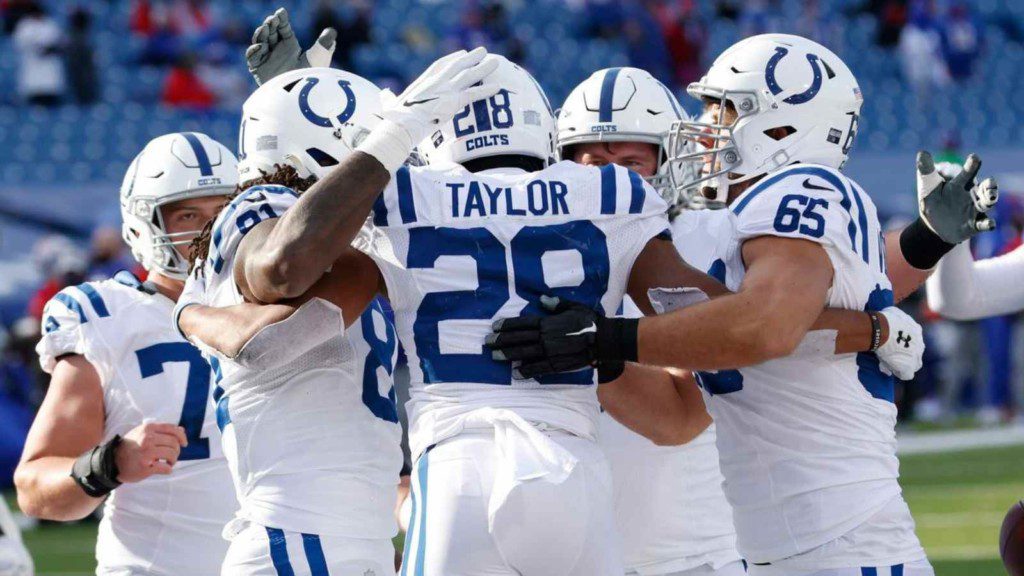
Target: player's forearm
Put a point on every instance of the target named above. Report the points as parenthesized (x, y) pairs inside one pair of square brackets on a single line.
[(963, 289), (853, 329), (666, 409), (730, 332), (228, 329), (903, 276), (320, 226), (47, 491)]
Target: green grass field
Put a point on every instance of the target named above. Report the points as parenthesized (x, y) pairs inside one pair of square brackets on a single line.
[(958, 500)]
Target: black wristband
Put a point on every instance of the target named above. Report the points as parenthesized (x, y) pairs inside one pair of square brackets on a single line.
[(616, 339), (96, 470), (610, 371), (876, 331), (921, 247)]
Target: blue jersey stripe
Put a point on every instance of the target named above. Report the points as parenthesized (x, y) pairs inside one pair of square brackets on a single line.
[(279, 552), (406, 203), (608, 189), (314, 555), (637, 194), (869, 571), (604, 111), (95, 299), (862, 218), (223, 411), (205, 168), (421, 547), (810, 171), (73, 304), (896, 570), (380, 212)]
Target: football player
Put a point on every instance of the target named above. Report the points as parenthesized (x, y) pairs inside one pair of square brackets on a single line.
[(308, 407), (670, 510), (128, 415), (806, 443), (483, 232)]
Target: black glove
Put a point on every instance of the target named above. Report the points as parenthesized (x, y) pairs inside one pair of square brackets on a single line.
[(573, 337)]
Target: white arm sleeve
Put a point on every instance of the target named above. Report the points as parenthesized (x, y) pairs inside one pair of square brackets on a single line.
[(963, 289)]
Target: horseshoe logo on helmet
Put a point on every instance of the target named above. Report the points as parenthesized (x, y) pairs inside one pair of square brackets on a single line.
[(773, 85), (350, 106)]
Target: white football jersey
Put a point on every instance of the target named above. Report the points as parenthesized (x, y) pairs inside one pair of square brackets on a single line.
[(807, 444), (313, 445), (460, 250), (164, 524), (669, 505)]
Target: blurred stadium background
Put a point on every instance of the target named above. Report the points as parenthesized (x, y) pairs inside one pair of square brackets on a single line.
[(84, 85)]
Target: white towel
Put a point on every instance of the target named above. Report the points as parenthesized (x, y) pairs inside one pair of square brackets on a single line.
[(524, 454)]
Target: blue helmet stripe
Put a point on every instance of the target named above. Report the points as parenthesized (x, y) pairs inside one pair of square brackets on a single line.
[(604, 111), (205, 168)]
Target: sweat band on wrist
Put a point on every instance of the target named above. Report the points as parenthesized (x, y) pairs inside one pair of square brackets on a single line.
[(876, 331), (96, 470), (616, 340), (389, 143), (921, 247)]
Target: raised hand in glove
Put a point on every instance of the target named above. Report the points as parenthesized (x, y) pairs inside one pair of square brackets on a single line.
[(573, 337), (275, 49), (954, 206)]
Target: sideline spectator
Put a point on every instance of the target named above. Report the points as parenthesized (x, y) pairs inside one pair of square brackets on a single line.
[(353, 28), (37, 38), (81, 66), (61, 263), (685, 38), (183, 88), (919, 42), (108, 254), (961, 42)]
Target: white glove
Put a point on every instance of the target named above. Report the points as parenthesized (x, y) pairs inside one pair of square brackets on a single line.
[(194, 292), (447, 86), (950, 202), (902, 354), (275, 50)]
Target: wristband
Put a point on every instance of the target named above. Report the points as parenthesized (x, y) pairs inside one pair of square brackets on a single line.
[(921, 247), (610, 371), (96, 471), (617, 339), (876, 331), (389, 143)]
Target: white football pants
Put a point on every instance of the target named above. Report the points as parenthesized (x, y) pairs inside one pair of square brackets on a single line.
[(263, 551), (541, 529)]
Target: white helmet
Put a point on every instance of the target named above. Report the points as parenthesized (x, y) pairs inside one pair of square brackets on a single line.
[(170, 168), (627, 105), (517, 120), (309, 119), (772, 81)]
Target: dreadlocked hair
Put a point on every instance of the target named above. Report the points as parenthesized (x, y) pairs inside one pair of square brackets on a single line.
[(283, 175)]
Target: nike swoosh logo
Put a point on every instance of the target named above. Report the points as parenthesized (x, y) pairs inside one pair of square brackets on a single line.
[(415, 102), (587, 330), (652, 112), (809, 186), (257, 197)]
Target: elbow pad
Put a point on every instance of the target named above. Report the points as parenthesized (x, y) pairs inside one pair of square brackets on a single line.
[(283, 342)]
